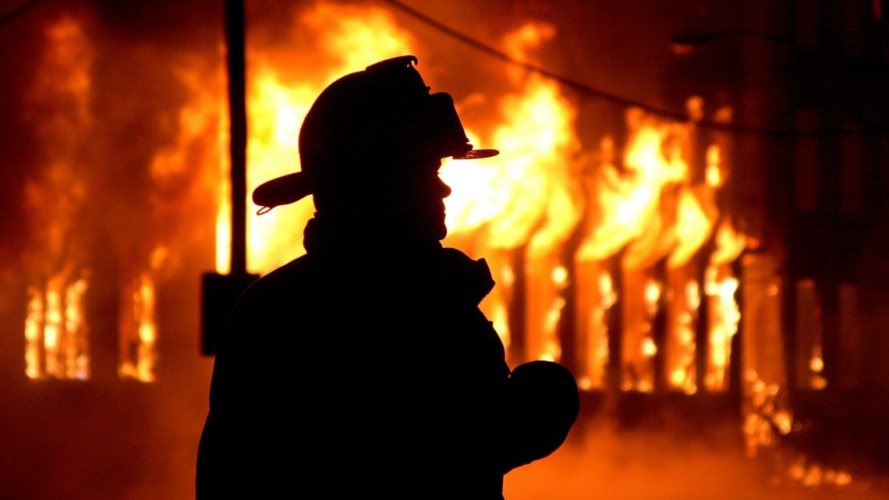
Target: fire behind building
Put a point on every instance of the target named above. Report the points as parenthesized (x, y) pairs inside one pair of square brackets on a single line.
[(702, 244)]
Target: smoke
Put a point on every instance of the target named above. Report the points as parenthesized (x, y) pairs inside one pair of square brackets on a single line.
[(682, 454)]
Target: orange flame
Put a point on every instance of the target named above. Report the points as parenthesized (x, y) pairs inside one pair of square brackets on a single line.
[(138, 323), (55, 327), (720, 286), (525, 195), (55, 330), (520, 207)]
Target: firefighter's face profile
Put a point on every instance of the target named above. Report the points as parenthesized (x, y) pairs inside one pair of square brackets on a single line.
[(413, 197)]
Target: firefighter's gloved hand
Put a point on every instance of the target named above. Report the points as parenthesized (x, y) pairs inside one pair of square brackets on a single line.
[(543, 404)]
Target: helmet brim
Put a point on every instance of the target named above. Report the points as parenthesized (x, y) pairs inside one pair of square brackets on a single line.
[(476, 154), (293, 187)]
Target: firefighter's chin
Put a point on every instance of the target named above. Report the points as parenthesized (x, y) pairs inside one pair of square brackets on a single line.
[(442, 230), (435, 227)]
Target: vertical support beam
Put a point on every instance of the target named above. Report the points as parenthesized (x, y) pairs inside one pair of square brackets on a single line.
[(237, 87), (518, 307), (616, 326), (702, 321), (221, 292)]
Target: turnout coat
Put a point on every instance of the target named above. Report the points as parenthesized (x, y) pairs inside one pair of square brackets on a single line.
[(373, 372)]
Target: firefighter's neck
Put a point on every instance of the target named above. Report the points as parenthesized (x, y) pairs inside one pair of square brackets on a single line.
[(364, 232)]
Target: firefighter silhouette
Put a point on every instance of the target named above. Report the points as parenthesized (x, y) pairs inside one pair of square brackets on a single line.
[(365, 367)]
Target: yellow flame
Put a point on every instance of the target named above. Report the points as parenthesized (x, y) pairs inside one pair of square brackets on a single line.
[(816, 367), (34, 332), (526, 192), (724, 317), (56, 341), (527, 198), (138, 322), (626, 201), (649, 348), (138, 344), (525, 195), (692, 228), (720, 286), (596, 295), (713, 172), (76, 357), (680, 343), (55, 328), (652, 295), (729, 243)]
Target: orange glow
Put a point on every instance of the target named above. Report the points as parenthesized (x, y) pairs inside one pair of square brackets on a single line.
[(526, 200), (626, 200), (596, 292), (56, 333), (648, 210), (680, 343), (720, 286), (524, 196), (714, 163), (34, 332), (520, 208), (723, 327), (138, 323), (816, 365), (692, 227)]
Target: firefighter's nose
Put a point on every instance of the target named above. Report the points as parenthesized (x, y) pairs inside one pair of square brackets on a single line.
[(443, 189)]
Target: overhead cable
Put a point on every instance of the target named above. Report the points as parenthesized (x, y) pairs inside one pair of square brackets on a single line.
[(614, 98), (17, 12)]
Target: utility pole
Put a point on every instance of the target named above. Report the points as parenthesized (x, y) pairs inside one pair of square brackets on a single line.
[(221, 292)]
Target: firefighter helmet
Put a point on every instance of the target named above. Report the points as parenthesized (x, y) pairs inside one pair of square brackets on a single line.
[(378, 115)]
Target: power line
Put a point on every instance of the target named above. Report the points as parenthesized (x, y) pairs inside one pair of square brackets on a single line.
[(17, 12), (614, 98)]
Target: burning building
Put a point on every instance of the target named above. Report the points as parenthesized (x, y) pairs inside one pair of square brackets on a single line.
[(702, 245)]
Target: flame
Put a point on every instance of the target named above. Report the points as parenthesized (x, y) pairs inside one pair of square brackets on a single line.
[(811, 474), (714, 173), (518, 210), (641, 302), (626, 202), (680, 344), (525, 195), (56, 333), (34, 332), (524, 202), (816, 366), (725, 315), (648, 210), (692, 228), (56, 340), (720, 286), (648, 221), (729, 244), (138, 322)]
